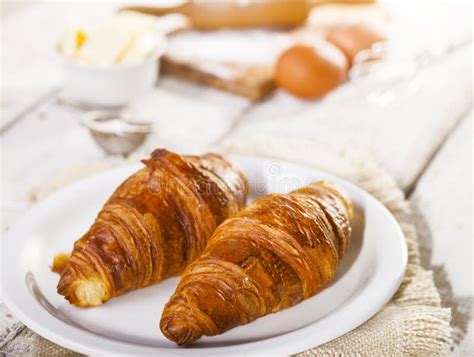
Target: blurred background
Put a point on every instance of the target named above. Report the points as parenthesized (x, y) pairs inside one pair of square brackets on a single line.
[(86, 85)]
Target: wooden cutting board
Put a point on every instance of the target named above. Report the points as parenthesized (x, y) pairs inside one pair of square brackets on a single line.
[(238, 61)]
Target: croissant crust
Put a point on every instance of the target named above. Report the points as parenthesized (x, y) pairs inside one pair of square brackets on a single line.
[(278, 251), (153, 225)]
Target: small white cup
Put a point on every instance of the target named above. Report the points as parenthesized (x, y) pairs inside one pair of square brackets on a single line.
[(109, 86)]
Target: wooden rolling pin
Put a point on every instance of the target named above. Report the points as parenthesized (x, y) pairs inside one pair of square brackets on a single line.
[(215, 14)]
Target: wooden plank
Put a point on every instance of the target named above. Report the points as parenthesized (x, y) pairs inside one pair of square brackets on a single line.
[(28, 343), (442, 202), (443, 196), (10, 327), (17, 103), (402, 135)]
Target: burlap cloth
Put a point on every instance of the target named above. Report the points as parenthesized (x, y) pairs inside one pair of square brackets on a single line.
[(412, 323)]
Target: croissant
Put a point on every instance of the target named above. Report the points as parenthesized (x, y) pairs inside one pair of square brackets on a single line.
[(153, 225), (278, 251)]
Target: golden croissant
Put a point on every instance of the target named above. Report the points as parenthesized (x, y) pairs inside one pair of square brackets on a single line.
[(278, 251), (153, 225)]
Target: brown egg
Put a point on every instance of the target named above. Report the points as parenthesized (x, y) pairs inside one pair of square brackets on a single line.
[(311, 71), (352, 39)]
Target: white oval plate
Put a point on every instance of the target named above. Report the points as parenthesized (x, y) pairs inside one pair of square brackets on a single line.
[(368, 277)]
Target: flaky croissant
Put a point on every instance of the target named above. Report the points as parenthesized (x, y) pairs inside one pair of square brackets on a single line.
[(280, 250), (153, 225)]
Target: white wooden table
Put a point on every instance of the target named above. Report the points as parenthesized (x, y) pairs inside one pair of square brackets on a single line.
[(423, 136)]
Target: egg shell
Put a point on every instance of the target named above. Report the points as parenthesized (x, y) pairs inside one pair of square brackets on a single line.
[(311, 70)]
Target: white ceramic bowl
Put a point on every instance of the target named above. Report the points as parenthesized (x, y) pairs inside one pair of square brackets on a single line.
[(109, 86)]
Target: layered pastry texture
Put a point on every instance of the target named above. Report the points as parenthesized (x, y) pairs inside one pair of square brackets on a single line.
[(280, 250), (152, 227)]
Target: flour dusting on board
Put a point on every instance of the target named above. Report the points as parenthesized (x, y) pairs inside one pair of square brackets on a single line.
[(244, 47)]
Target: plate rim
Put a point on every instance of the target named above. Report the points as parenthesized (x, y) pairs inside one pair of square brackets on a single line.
[(287, 343)]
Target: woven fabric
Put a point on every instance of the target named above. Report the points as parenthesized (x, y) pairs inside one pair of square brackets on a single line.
[(413, 323)]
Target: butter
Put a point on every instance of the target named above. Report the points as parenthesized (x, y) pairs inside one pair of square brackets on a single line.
[(126, 37), (72, 40), (142, 46)]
